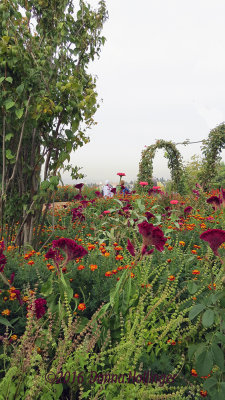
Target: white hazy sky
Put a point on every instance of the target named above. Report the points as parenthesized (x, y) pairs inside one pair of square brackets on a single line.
[(161, 75)]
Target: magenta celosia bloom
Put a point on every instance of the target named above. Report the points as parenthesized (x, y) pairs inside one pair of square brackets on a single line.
[(149, 215), (54, 255), (144, 251), (215, 237), (130, 248), (79, 186), (78, 197), (3, 260), (196, 192), (113, 190), (12, 278), (152, 235), (214, 200), (39, 307), (98, 194), (70, 247), (188, 209)]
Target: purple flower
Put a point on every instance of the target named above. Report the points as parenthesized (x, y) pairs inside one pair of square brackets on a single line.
[(12, 278), (39, 307), (152, 235), (215, 237), (130, 248), (70, 247), (196, 192), (113, 190), (3, 260), (149, 215), (188, 209), (145, 252), (79, 186), (78, 196), (214, 200), (98, 194)]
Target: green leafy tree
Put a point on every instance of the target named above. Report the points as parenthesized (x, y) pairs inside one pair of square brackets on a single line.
[(47, 100)]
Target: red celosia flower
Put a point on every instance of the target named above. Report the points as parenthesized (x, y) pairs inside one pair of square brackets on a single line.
[(144, 251), (79, 186), (215, 237), (152, 235), (2, 257), (130, 248), (188, 209), (213, 200), (98, 194), (113, 190), (149, 215), (71, 248), (39, 307)]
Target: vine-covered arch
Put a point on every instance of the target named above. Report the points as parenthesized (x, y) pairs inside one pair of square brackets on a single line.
[(211, 150), (174, 163)]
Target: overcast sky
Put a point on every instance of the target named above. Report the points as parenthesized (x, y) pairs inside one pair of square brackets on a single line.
[(161, 75)]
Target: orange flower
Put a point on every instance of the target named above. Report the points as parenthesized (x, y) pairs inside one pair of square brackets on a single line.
[(203, 393), (194, 251), (81, 307), (76, 296), (31, 262), (93, 267), (195, 272), (210, 287), (194, 298), (80, 267), (119, 257), (108, 273), (91, 246), (170, 248), (171, 278), (118, 248), (169, 260), (6, 312), (107, 254), (194, 372), (181, 243), (25, 299), (132, 275)]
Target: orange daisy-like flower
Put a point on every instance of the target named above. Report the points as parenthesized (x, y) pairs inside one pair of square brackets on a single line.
[(120, 268), (107, 254), (203, 393), (91, 247), (195, 272), (170, 248), (31, 262), (80, 267), (132, 275), (76, 296), (194, 372), (81, 307), (13, 337), (6, 312), (193, 251), (171, 278), (169, 260), (194, 298), (93, 267), (210, 287), (181, 243), (119, 257), (108, 273), (118, 248)]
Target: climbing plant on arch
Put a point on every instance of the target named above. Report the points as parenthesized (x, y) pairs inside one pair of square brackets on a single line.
[(211, 149), (174, 163)]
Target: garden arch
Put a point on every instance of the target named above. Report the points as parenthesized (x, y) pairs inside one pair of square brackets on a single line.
[(211, 149), (174, 163)]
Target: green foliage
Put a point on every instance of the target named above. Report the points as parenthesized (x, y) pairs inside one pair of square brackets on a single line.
[(174, 163)]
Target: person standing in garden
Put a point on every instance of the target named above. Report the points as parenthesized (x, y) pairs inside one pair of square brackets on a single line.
[(123, 189), (106, 191)]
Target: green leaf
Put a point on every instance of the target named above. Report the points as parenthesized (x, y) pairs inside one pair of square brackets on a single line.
[(46, 288), (210, 383), (195, 310), (204, 363), (20, 89), (218, 356), (192, 287), (45, 185), (8, 136), (9, 104), (4, 321), (2, 79), (9, 79), (208, 318), (19, 113), (126, 296), (9, 155)]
